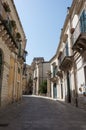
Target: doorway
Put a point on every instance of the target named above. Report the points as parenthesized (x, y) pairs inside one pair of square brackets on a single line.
[(68, 88), (54, 90)]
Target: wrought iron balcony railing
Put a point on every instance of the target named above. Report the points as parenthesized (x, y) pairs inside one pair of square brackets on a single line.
[(22, 55), (79, 36), (59, 73), (65, 60), (76, 32)]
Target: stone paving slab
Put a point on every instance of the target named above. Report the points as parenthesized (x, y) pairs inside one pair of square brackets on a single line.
[(38, 113)]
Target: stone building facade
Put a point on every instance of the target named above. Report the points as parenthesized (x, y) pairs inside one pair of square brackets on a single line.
[(40, 68), (12, 53), (68, 66), (27, 79)]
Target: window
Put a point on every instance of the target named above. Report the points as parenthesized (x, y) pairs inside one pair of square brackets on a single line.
[(67, 51), (54, 71), (83, 21)]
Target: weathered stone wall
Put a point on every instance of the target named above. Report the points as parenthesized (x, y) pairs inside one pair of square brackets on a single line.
[(5, 72)]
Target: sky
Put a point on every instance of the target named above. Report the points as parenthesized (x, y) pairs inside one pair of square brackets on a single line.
[(42, 21)]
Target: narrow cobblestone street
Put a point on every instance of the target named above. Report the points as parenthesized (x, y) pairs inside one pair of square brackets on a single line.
[(34, 113)]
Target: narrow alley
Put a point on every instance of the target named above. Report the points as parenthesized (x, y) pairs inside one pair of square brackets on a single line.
[(34, 113)]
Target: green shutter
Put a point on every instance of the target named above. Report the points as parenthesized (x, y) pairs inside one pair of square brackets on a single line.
[(67, 51), (83, 21)]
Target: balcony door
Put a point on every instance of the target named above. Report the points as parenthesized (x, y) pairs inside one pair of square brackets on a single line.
[(54, 70), (68, 88), (67, 51), (61, 89), (83, 21), (54, 90)]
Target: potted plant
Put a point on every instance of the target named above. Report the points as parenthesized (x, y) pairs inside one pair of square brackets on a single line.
[(18, 36), (13, 23), (6, 7), (72, 30)]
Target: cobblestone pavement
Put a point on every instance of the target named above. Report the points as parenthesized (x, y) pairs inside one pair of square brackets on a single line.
[(34, 113)]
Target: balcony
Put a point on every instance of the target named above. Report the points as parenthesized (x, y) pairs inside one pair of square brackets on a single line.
[(6, 31), (35, 78), (59, 73), (48, 74), (22, 56), (79, 36), (65, 60), (54, 77)]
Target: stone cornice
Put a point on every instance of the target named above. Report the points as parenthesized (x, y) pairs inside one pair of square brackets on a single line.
[(18, 19)]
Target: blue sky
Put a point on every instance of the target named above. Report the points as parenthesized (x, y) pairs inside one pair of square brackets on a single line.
[(42, 21)]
